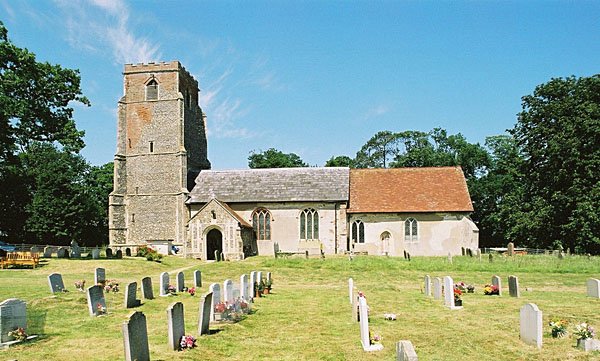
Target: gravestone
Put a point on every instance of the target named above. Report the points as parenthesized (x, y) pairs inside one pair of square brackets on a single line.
[(131, 300), (269, 279), (449, 293), (13, 314), (405, 351), (75, 250), (491, 258), (437, 288), (511, 249), (478, 254), (128, 252), (215, 289), (164, 284), (588, 344), (47, 252), (204, 314), (497, 281), (561, 254), (56, 283), (259, 276), (62, 253), (531, 325), (95, 253), (119, 255), (364, 327), (100, 276), (135, 338), (351, 290), (96, 301), (197, 278), (513, 286), (147, 290), (449, 258), (245, 290), (180, 281), (593, 288), (253, 283), (427, 286), (228, 291), (175, 325), (462, 251), (109, 253)]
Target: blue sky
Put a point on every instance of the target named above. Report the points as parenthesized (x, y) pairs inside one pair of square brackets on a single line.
[(316, 78)]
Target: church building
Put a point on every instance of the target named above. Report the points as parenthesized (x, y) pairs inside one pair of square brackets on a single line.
[(165, 193)]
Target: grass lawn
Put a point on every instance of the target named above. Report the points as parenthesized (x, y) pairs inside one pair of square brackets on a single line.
[(308, 316)]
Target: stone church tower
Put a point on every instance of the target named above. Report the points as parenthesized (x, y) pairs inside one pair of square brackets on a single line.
[(161, 148)]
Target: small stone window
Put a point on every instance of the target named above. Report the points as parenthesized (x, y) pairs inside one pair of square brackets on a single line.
[(358, 232), (152, 90), (151, 147), (411, 233), (129, 142), (132, 217)]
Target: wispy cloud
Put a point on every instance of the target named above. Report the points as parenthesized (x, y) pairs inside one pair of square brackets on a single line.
[(376, 111), (224, 117), (8, 10)]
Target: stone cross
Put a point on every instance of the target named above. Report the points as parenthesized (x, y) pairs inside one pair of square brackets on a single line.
[(135, 338), (364, 327), (405, 351), (351, 290), (13, 314), (100, 276), (531, 325), (95, 253), (427, 286), (164, 284), (497, 281), (131, 300), (215, 289), (197, 278), (176, 325), (180, 281), (147, 291), (593, 288), (245, 290), (204, 314), (437, 288), (96, 301), (228, 291), (449, 293), (56, 283), (511, 249), (513, 286)]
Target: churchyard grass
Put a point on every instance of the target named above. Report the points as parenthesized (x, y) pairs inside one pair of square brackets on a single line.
[(308, 316)]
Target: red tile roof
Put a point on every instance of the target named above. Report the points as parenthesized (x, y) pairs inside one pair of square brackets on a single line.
[(435, 189)]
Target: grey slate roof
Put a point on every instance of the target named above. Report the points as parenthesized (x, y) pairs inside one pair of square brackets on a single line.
[(272, 185)]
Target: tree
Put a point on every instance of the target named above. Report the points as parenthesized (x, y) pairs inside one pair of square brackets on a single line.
[(98, 185), (378, 151), (559, 132), (273, 158), (340, 161)]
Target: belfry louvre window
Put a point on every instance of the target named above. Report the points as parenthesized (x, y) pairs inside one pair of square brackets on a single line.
[(309, 224), (358, 232), (152, 90), (411, 230), (261, 222)]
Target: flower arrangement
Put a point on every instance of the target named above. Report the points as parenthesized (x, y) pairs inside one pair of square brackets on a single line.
[(470, 289), (583, 331), (100, 309), (80, 285), (171, 289), (558, 328), (18, 334), (150, 253), (389, 316), (457, 294), (362, 294), (244, 306), (374, 338), (111, 286), (232, 311), (191, 291), (491, 290), (187, 342), (220, 307), (461, 286)]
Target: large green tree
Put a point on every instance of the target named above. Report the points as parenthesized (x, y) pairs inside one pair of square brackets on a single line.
[(273, 158), (559, 132)]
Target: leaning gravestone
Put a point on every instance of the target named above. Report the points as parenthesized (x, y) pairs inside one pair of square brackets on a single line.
[(531, 325), (449, 294), (405, 351), (75, 250), (228, 291), (197, 278), (135, 338), (427, 286), (215, 289), (131, 300), (109, 253), (56, 283), (180, 281), (62, 253), (593, 288), (175, 325), (253, 283), (13, 314), (497, 281), (364, 327), (95, 253), (147, 288), (47, 252), (96, 301), (437, 288), (204, 314), (511, 249), (119, 254), (351, 290), (245, 290), (513, 286), (164, 284), (100, 276)]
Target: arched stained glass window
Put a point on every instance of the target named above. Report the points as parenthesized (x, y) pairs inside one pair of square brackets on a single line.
[(261, 222), (309, 224)]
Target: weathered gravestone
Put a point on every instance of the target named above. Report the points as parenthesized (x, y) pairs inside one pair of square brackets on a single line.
[(593, 288), (478, 253), (437, 288), (462, 251), (197, 278), (513, 286), (405, 351), (13, 314), (135, 338), (531, 325), (204, 314), (100, 276), (253, 283), (95, 253), (427, 286), (511, 249), (180, 282), (268, 278), (245, 290), (228, 291), (75, 250), (147, 288), (175, 325), (351, 290), (56, 283), (62, 253), (131, 300), (588, 344), (96, 301), (491, 258), (128, 252), (164, 284), (364, 327), (497, 281), (47, 252), (119, 255), (215, 289), (449, 293), (109, 253)]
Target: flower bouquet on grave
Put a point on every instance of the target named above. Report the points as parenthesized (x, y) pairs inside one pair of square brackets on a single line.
[(268, 285), (558, 328), (244, 306), (80, 285), (111, 286), (470, 289), (490, 290), (171, 290), (461, 286), (18, 334), (374, 338), (100, 310), (584, 331), (457, 296), (191, 291), (187, 342)]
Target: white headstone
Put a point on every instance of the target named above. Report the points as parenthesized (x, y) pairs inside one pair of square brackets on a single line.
[(100, 276), (175, 325), (364, 327), (427, 286), (531, 325), (258, 276), (497, 281), (351, 290), (164, 284), (437, 288), (215, 289), (96, 301), (197, 278), (180, 281), (56, 283), (252, 282), (405, 351), (245, 290), (13, 314), (135, 338), (95, 253), (268, 278), (449, 293), (593, 288), (228, 291)]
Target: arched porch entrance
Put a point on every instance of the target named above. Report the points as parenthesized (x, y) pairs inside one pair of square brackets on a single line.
[(214, 242)]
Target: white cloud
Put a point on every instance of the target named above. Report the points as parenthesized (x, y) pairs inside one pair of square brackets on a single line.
[(376, 111), (223, 119)]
